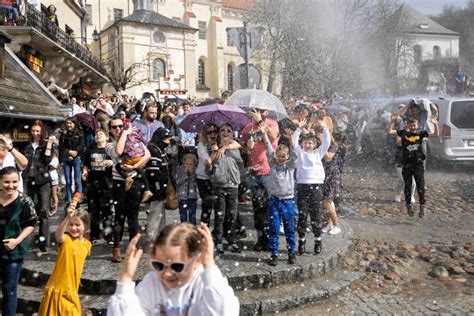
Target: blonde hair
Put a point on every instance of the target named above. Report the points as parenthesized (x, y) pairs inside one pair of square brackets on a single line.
[(284, 148), (84, 217), (184, 235), (191, 157)]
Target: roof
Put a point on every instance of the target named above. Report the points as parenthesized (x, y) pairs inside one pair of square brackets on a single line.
[(152, 17), (413, 21), (239, 4), (22, 95)]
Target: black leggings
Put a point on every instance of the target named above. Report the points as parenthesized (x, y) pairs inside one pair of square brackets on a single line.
[(127, 205)]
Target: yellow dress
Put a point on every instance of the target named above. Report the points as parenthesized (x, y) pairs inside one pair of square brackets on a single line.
[(61, 293)]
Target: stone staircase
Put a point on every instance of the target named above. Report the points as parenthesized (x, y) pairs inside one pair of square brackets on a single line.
[(260, 287)]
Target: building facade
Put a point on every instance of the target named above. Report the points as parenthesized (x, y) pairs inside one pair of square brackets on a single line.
[(179, 47)]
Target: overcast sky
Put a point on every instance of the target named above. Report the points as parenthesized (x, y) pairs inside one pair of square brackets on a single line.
[(433, 7)]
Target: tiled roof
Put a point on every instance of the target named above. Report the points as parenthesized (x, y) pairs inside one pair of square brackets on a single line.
[(239, 4), (152, 17), (413, 21)]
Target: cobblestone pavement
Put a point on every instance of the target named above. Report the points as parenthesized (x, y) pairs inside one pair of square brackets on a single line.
[(399, 255)]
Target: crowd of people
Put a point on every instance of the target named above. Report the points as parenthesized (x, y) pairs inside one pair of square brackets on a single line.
[(116, 154)]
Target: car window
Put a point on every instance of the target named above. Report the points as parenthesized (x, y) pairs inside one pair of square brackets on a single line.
[(462, 114)]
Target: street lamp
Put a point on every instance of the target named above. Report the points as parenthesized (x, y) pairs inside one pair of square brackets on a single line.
[(95, 35)]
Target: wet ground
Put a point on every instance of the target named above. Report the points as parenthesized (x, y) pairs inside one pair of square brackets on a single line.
[(412, 266)]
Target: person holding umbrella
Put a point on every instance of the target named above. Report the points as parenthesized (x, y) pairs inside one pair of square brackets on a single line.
[(252, 140)]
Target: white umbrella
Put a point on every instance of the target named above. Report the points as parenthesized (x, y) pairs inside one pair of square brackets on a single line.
[(260, 99)]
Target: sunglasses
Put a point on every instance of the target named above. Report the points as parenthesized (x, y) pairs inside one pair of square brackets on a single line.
[(177, 267), (212, 131), (226, 130), (116, 126)]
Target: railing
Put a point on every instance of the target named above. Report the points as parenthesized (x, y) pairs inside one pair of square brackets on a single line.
[(40, 21)]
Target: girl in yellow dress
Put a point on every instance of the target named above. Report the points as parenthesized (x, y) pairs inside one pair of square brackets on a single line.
[(61, 294)]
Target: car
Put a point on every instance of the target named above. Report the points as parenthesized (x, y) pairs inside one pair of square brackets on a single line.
[(456, 130)]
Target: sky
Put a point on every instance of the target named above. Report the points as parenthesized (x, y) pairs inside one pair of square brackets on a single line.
[(433, 7)]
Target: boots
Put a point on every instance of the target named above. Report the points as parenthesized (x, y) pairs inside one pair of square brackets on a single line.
[(410, 210), (317, 247), (301, 246), (117, 256)]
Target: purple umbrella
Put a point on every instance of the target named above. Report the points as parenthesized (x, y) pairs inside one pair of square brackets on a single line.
[(215, 113)]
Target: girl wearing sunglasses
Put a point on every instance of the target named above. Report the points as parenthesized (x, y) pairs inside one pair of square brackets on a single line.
[(185, 280)]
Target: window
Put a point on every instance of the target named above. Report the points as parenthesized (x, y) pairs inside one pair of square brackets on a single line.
[(158, 37), (118, 14), (111, 42), (418, 53), (202, 29), (201, 72), (436, 52), (158, 68), (230, 78), (89, 14), (230, 42)]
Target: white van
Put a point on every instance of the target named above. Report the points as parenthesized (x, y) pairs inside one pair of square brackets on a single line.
[(456, 130)]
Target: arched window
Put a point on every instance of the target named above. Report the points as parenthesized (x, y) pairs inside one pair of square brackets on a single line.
[(201, 72), (158, 68), (418, 53), (230, 78), (436, 52)]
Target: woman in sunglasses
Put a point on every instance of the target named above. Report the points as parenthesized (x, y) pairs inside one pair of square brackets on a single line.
[(126, 203), (224, 170), (185, 280)]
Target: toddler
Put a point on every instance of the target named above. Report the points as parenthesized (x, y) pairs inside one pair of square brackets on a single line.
[(187, 189)]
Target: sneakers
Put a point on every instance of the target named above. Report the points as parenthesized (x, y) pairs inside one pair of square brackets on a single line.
[(410, 210), (94, 242), (109, 241), (301, 246), (326, 228), (146, 195), (412, 199), (273, 260), (128, 183), (52, 212), (398, 198), (220, 249), (318, 247), (335, 230), (422, 211), (292, 258), (235, 248)]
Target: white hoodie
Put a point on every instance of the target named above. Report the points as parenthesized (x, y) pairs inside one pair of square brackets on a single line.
[(207, 293), (309, 167)]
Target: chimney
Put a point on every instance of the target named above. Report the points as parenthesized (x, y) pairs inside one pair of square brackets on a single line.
[(145, 5)]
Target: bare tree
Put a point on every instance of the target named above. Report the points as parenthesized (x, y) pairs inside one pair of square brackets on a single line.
[(126, 78)]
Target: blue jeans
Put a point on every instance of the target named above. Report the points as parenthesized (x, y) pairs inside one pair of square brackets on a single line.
[(68, 166), (10, 276), (281, 209), (187, 211), (11, 11)]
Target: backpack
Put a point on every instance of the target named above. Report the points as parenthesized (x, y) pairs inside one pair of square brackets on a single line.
[(87, 123)]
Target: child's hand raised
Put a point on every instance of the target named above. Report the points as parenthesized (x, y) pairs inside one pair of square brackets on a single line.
[(132, 258), (71, 210), (207, 247)]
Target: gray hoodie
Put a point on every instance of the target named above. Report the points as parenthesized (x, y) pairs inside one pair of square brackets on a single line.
[(281, 182), (226, 170), (186, 185)]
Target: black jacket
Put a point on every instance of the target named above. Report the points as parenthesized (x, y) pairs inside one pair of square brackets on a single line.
[(157, 172), (41, 163), (71, 141)]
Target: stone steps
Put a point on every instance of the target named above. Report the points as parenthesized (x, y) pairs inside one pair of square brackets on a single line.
[(260, 287)]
